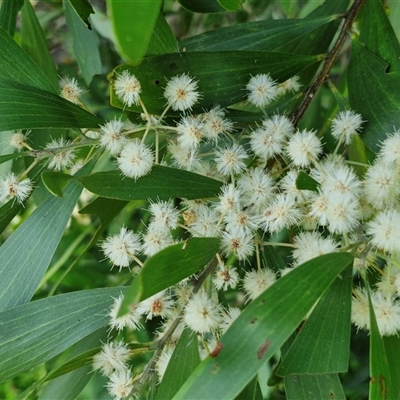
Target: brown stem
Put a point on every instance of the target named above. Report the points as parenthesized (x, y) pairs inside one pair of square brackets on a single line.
[(348, 20)]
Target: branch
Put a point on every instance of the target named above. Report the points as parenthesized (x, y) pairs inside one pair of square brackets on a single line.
[(331, 57)]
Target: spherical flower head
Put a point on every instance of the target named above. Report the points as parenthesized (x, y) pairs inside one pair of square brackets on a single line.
[(390, 149), (343, 213), (165, 215), (205, 223), (112, 137), (130, 320), (346, 125), (71, 90), (136, 159), (113, 357), (229, 199), (379, 185), (61, 159), (120, 384), (202, 314), (158, 305), (12, 188), (257, 281), (155, 240), (257, 188), (189, 132), (215, 124), (303, 148), (387, 313), (341, 180), (181, 92), (262, 89), (309, 245), (127, 88), (230, 160), (282, 213), (237, 241), (185, 158), (225, 277), (384, 231), (268, 139), (290, 85), (241, 219), (18, 140), (122, 247)]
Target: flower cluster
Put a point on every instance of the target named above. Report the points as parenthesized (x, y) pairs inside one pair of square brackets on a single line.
[(342, 206), (340, 209)]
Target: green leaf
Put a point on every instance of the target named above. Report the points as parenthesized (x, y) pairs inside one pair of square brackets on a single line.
[(184, 360), (272, 258), (83, 9), (85, 43), (36, 332), (269, 320), (28, 99), (105, 209), (311, 387), (168, 267), (162, 40), (251, 392), (356, 152), (274, 35), (7, 212), (17, 66), (162, 183), (374, 26), (26, 254), (374, 93), (230, 5), (7, 157), (380, 383), (220, 82), (305, 182), (8, 14), (202, 6), (133, 24), (26, 107), (323, 343), (33, 41), (55, 182), (392, 350)]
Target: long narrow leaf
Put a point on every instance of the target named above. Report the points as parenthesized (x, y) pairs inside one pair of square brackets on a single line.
[(36, 332), (268, 321)]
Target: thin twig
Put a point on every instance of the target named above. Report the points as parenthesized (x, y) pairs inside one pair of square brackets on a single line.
[(348, 20)]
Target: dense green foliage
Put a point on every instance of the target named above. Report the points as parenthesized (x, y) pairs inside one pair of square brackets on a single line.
[(282, 314)]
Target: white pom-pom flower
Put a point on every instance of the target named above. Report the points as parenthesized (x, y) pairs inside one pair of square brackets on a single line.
[(181, 92), (346, 125), (12, 188), (303, 148), (112, 137), (202, 314), (127, 88), (262, 89), (122, 247), (136, 159)]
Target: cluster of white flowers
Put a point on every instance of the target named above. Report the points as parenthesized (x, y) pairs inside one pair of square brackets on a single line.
[(261, 196)]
